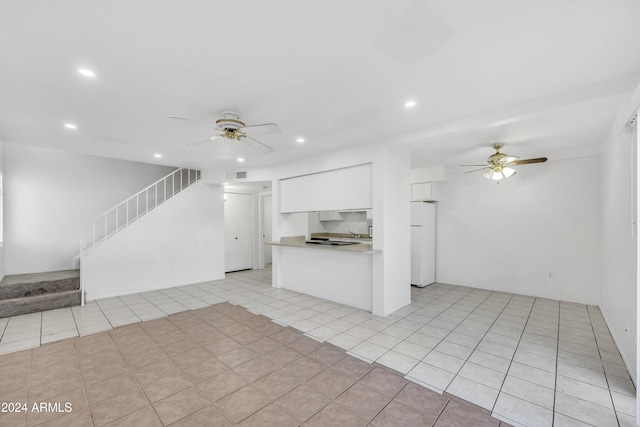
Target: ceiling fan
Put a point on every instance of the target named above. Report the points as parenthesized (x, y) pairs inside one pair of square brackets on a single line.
[(500, 165), (230, 127)]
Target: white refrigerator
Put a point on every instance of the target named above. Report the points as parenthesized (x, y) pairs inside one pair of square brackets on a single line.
[(423, 243)]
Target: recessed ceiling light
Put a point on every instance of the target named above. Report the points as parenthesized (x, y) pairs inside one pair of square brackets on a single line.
[(70, 126), (240, 159), (300, 140), (85, 72), (157, 156), (410, 104)]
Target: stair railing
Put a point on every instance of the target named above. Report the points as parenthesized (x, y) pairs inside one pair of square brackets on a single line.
[(106, 225)]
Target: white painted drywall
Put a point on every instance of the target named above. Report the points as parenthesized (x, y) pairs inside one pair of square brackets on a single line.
[(352, 221), (429, 174), (340, 276), (392, 213), (510, 236), (343, 188), (2, 225), (49, 194), (266, 219), (178, 243), (619, 242)]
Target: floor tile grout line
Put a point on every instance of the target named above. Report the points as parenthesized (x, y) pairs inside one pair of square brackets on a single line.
[(442, 411), (414, 310), (4, 328), (460, 322), (555, 379), (104, 314), (75, 322), (524, 327), (194, 384), (41, 328), (130, 371), (606, 378), (150, 302)]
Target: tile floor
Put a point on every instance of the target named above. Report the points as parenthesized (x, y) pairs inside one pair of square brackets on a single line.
[(527, 361), (215, 366)]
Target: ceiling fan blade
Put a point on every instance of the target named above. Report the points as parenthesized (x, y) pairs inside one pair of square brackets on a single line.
[(265, 127), (476, 170), (210, 139), (476, 165), (256, 145), (184, 119), (508, 159), (528, 161)]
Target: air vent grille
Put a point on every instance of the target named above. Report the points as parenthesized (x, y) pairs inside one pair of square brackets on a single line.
[(236, 175)]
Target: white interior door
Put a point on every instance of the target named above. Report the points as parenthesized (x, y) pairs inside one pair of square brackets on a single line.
[(266, 227), (238, 231)]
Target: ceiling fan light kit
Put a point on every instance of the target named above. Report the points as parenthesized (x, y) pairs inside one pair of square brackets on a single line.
[(499, 172), (500, 165)]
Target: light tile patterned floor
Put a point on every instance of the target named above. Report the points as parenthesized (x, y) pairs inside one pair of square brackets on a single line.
[(530, 361), (215, 366)]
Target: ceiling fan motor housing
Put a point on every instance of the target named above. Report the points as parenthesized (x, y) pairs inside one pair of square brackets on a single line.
[(230, 125), (230, 121)]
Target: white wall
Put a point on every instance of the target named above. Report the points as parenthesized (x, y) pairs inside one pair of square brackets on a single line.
[(353, 221), (392, 224), (619, 291), (2, 225), (179, 243), (511, 236), (49, 194)]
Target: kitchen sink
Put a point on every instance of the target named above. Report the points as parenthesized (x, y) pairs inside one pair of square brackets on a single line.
[(330, 243)]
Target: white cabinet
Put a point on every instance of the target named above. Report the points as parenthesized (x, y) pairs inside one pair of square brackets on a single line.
[(345, 188), (423, 192), (369, 213), (330, 216)]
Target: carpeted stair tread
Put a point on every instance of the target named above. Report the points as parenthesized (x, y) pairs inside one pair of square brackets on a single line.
[(24, 285), (31, 304)]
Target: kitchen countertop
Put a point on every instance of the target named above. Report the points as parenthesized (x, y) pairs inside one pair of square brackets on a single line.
[(343, 236), (300, 242)]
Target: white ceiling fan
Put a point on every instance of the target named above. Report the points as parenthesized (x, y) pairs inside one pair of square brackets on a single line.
[(500, 165), (230, 127)]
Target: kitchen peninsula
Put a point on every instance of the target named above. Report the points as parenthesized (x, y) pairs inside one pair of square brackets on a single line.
[(338, 269)]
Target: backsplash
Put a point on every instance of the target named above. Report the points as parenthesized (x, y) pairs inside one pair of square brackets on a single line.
[(353, 221)]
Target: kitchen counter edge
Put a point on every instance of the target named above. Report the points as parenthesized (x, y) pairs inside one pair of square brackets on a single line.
[(362, 248)]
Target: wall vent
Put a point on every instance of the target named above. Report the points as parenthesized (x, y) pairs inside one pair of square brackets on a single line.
[(236, 175)]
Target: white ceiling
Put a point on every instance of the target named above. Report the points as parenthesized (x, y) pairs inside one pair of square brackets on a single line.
[(546, 77)]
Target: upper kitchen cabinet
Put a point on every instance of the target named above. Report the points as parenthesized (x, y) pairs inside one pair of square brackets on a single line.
[(424, 192), (330, 216), (337, 189)]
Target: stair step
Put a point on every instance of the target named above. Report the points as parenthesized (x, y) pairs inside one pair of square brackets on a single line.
[(32, 284), (31, 304)]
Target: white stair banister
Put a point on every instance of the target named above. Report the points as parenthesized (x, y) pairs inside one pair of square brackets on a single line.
[(106, 225)]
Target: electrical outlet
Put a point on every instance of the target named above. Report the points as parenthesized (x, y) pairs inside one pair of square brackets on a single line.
[(550, 275)]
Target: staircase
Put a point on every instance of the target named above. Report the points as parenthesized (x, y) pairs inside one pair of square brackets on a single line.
[(30, 293), (114, 220), (109, 223)]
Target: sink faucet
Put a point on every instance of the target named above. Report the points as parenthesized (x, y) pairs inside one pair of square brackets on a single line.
[(354, 235)]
